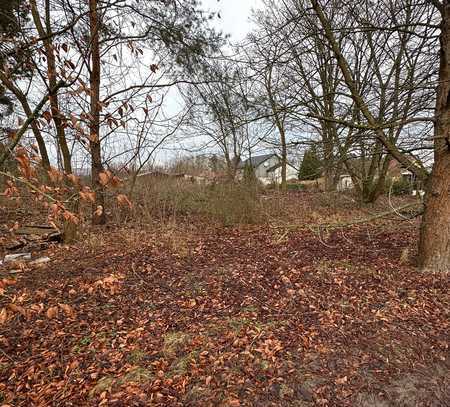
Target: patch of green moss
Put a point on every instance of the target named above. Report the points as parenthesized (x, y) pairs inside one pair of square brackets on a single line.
[(135, 357), (239, 324), (104, 384), (136, 375), (173, 342), (181, 365)]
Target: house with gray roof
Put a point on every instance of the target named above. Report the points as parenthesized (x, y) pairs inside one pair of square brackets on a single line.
[(267, 168)]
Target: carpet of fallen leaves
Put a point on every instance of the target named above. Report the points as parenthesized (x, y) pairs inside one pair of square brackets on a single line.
[(239, 316)]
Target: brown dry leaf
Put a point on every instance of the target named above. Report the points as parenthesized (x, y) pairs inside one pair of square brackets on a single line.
[(123, 200), (25, 166), (93, 137), (55, 175), (18, 309), (6, 282), (73, 179), (114, 182), (87, 195), (99, 211), (68, 310), (104, 177), (70, 217), (3, 316), (54, 210), (52, 312), (341, 380), (74, 120)]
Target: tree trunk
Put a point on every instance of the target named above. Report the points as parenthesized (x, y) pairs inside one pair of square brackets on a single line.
[(29, 113), (279, 122), (328, 167), (52, 80), (283, 159), (99, 215), (434, 245)]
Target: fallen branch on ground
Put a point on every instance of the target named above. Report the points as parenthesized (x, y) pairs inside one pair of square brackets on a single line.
[(369, 219)]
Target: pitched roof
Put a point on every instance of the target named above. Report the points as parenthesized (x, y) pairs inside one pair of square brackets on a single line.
[(255, 161)]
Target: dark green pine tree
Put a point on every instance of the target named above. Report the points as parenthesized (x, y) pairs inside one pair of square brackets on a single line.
[(11, 13), (311, 166)]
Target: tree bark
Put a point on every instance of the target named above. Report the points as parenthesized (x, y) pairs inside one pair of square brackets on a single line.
[(99, 215), (434, 245)]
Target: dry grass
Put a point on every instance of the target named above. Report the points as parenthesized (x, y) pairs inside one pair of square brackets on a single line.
[(171, 200)]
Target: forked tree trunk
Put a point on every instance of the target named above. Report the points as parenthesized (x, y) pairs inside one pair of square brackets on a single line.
[(99, 215), (434, 245), (29, 113)]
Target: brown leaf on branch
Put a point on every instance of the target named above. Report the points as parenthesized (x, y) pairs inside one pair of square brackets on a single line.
[(93, 137), (87, 195), (99, 211), (74, 121), (25, 166), (124, 201), (104, 177), (115, 182), (74, 179), (55, 175), (70, 217), (54, 209)]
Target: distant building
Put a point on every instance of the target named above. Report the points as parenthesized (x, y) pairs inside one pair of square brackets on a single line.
[(345, 182), (395, 172), (267, 168)]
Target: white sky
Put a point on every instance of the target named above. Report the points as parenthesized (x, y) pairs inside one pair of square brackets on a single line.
[(234, 16)]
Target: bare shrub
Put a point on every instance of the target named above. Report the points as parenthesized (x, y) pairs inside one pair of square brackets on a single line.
[(168, 199)]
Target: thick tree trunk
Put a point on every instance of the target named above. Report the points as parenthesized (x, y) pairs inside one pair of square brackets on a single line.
[(434, 245), (99, 215)]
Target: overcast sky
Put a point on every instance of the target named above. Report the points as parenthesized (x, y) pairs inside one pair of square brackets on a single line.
[(234, 15), (234, 20)]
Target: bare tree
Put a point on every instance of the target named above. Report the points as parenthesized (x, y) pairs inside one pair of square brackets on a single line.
[(219, 111), (434, 247)]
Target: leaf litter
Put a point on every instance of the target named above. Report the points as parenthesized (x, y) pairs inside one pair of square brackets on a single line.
[(238, 319)]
